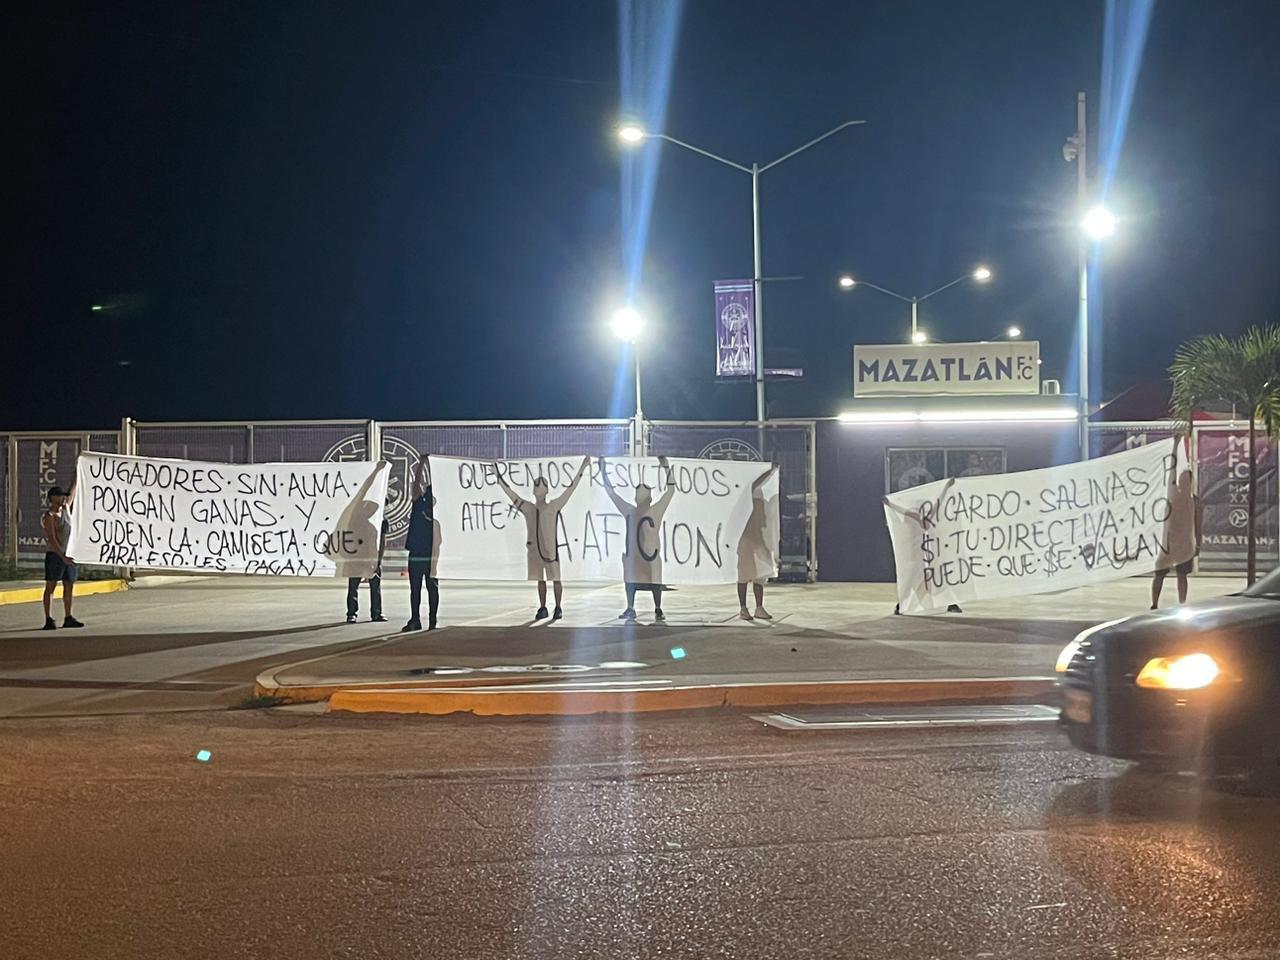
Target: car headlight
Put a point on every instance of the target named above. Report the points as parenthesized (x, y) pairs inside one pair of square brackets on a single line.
[(1188, 672), (1071, 649)]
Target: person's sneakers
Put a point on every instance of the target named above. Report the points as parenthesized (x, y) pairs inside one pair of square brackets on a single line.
[(659, 616), (745, 614), (49, 624), (954, 608), (541, 614), (628, 614), (557, 614), (71, 621), (351, 618), (379, 618), (411, 626), (763, 614), (431, 626)]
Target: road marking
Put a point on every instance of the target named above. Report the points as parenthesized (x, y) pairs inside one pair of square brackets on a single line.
[(925, 717)]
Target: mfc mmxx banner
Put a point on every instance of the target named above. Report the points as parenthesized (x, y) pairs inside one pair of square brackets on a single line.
[(984, 538), (276, 519), (676, 521)]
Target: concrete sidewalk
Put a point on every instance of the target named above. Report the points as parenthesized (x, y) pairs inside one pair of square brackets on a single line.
[(202, 644), (829, 643)]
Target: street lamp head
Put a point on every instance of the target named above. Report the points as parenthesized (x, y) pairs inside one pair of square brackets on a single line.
[(1099, 223), (847, 282), (982, 274), (627, 324), (631, 133), (919, 337), (1014, 332)]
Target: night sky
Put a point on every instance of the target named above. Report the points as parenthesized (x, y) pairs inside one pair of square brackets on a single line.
[(413, 211)]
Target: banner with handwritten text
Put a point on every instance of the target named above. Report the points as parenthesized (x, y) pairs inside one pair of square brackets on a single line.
[(980, 538), (273, 519), (679, 522)]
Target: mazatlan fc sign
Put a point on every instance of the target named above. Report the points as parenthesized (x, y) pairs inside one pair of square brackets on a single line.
[(972, 369)]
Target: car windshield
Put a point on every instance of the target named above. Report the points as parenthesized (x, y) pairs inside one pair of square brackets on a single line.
[(1268, 586)]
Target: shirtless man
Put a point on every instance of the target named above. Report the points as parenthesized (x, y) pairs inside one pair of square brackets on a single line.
[(641, 568), (756, 560), (542, 522), (58, 567)]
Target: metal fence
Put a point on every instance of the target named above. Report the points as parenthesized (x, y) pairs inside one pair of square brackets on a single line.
[(32, 462), (791, 445)]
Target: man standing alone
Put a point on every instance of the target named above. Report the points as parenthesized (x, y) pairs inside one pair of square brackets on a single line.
[(423, 545), (58, 567)]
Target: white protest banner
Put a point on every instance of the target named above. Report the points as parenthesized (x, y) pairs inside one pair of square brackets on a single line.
[(634, 518), (276, 519), (931, 369), (980, 538)]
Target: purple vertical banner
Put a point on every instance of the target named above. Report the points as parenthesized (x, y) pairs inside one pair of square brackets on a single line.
[(1223, 457), (735, 328)]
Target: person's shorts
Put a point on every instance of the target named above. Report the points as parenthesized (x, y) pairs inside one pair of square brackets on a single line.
[(56, 569), (1183, 569), (540, 569)]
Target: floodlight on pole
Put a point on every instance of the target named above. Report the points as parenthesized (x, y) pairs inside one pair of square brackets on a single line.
[(631, 133), (1014, 332), (1099, 223), (627, 324), (980, 274)]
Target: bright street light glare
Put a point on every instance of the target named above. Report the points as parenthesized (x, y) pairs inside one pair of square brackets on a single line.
[(1014, 332), (982, 273), (1099, 223), (630, 133), (627, 324), (847, 282), (919, 337)]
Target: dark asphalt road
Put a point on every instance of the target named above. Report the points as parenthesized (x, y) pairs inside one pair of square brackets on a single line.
[(679, 836)]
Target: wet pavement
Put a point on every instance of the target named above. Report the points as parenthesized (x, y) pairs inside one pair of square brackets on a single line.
[(694, 835)]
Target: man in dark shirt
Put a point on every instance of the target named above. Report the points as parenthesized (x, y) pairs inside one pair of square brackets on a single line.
[(375, 584), (423, 545)]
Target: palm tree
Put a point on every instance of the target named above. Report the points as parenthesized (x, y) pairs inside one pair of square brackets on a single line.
[(1244, 372)]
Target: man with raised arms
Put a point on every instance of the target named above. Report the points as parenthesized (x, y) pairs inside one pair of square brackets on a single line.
[(542, 524)]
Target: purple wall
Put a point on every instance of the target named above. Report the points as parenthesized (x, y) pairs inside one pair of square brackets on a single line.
[(853, 542)]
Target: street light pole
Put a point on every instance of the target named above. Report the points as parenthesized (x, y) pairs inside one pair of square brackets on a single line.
[(915, 321), (635, 347), (1082, 195), (632, 134), (628, 325), (758, 283)]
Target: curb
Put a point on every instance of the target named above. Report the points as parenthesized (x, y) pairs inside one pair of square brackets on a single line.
[(85, 588), (533, 700), (266, 683)]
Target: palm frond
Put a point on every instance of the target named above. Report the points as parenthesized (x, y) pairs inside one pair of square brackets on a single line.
[(1244, 372)]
